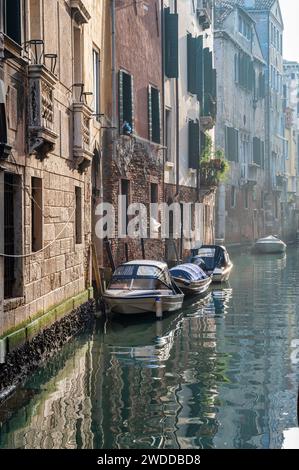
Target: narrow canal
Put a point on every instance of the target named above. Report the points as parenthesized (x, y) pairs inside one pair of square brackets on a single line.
[(224, 373)]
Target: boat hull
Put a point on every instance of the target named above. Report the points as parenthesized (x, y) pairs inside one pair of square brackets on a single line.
[(220, 275), (194, 287), (270, 248), (132, 305)]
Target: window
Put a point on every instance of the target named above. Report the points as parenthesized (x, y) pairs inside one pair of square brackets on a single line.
[(232, 144), (246, 199), (124, 191), (195, 65), (96, 83), (154, 114), (3, 124), (77, 64), (12, 236), (233, 197), (78, 216), (36, 214), (244, 28), (262, 200), (12, 14), (171, 54), (126, 102), (154, 193)]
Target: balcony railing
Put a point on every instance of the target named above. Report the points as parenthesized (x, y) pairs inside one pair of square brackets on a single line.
[(252, 174), (81, 139), (205, 13), (42, 137)]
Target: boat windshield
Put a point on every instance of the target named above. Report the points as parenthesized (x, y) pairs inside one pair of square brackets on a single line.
[(137, 284)]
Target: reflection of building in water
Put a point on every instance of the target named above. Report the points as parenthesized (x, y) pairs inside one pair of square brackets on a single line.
[(60, 417)]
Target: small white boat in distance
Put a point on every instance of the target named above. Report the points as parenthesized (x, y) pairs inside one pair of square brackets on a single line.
[(143, 286), (270, 245), (215, 261), (191, 279)]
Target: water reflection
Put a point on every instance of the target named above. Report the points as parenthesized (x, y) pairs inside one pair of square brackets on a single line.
[(217, 374)]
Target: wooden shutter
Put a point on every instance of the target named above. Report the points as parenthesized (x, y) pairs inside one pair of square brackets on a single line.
[(171, 46), (193, 144), (150, 112), (199, 68), (120, 100), (155, 116), (232, 144), (191, 63), (208, 80), (256, 151)]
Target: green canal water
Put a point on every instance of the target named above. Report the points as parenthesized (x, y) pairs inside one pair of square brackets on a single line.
[(222, 373)]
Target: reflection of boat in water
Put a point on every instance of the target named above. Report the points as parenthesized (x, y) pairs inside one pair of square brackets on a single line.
[(214, 260), (269, 245), (143, 286), (191, 279)]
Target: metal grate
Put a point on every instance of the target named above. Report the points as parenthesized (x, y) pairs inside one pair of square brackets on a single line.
[(9, 243)]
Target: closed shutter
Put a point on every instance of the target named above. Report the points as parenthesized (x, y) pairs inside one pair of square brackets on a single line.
[(191, 63), (150, 112), (214, 93), (256, 151), (202, 143), (208, 80), (193, 144), (120, 100), (232, 144), (262, 154), (199, 68), (154, 115), (171, 47)]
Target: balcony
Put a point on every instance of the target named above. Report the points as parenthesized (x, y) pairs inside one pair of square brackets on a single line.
[(279, 183), (252, 174), (204, 13), (42, 137), (81, 139), (80, 13), (208, 113), (212, 172)]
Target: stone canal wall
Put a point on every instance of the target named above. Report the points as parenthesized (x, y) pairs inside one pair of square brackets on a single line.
[(27, 347)]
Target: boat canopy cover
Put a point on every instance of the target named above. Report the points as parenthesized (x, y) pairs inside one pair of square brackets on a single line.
[(213, 257), (189, 272), (140, 271)]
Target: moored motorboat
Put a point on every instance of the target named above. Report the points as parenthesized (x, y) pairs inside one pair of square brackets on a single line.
[(143, 286), (271, 244), (191, 279), (215, 261)]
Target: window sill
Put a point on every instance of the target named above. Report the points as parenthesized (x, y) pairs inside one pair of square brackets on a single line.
[(13, 303)]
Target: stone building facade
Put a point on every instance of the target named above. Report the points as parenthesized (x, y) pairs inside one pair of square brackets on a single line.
[(133, 154), (291, 109), (240, 126), (50, 135), (189, 110)]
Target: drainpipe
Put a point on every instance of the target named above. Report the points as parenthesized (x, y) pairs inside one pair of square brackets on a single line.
[(177, 107), (163, 94), (113, 70)]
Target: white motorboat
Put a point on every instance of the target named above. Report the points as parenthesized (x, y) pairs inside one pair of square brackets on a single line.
[(191, 279), (215, 261), (143, 286), (270, 245)]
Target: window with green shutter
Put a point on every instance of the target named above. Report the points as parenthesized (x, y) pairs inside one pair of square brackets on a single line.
[(194, 144), (199, 67), (125, 99), (171, 47), (232, 144), (154, 116), (191, 64)]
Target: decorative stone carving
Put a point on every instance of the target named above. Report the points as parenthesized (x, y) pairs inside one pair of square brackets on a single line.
[(81, 138), (42, 137), (1, 46), (80, 12)]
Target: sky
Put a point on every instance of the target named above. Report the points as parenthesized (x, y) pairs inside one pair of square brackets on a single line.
[(290, 13)]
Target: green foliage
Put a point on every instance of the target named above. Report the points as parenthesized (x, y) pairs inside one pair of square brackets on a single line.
[(213, 164)]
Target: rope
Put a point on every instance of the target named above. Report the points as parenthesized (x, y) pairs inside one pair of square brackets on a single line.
[(43, 249)]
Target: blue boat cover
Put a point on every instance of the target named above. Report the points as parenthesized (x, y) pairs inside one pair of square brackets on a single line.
[(189, 271)]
